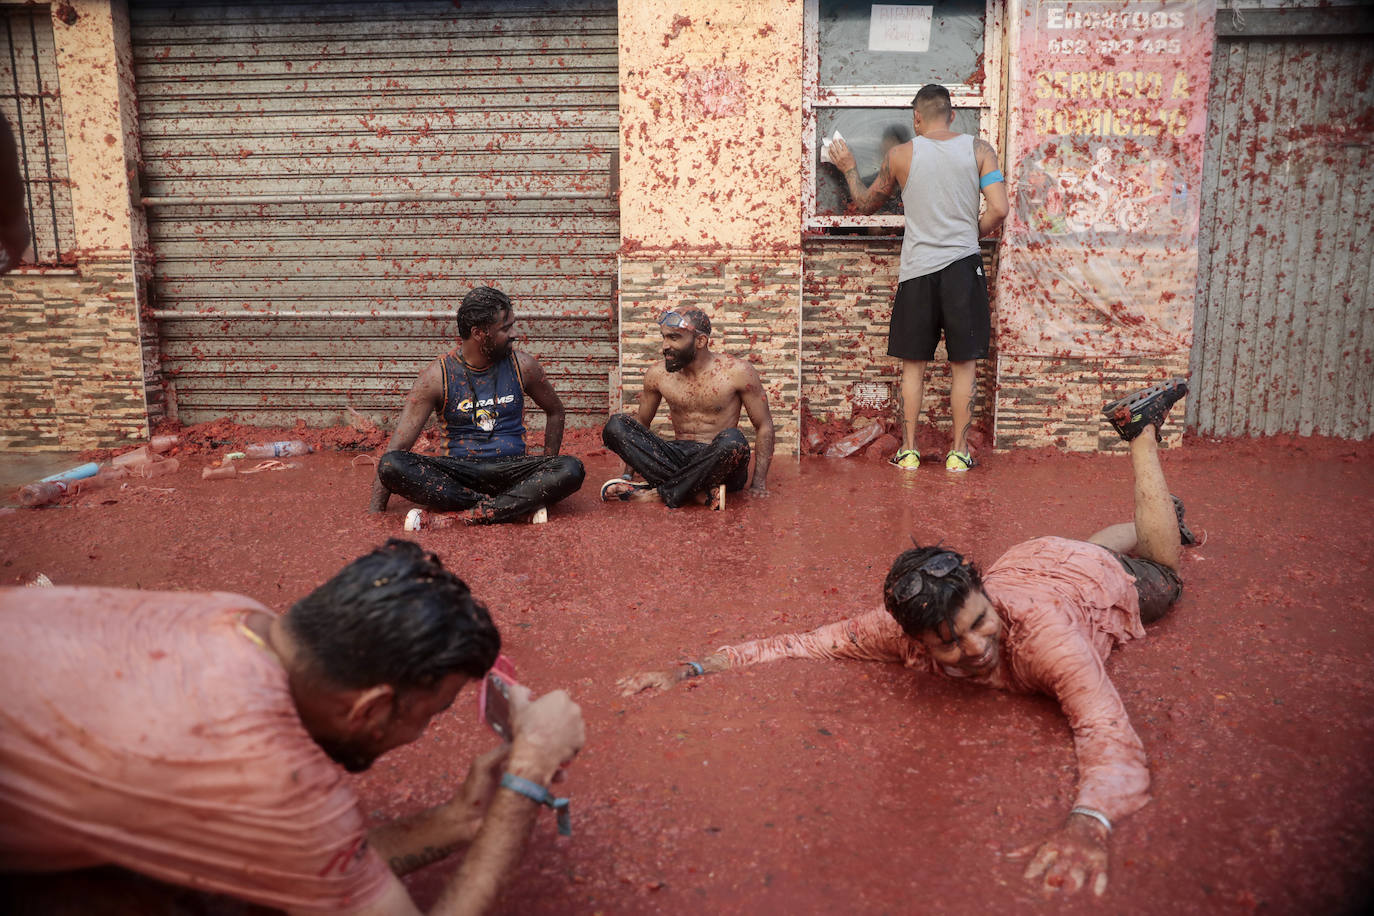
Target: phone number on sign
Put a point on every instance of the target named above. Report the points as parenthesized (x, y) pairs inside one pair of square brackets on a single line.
[(1084, 46)]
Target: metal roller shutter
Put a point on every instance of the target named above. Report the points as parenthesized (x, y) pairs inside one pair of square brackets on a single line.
[(324, 182), (1283, 338)]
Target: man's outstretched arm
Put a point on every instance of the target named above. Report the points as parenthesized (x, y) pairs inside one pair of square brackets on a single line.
[(755, 403), (424, 399), (1113, 776), (874, 636)]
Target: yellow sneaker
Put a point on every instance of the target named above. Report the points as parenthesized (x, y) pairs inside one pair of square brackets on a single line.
[(959, 461), (908, 459)]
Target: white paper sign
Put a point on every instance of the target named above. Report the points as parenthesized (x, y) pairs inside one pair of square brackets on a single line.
[(899, 28)]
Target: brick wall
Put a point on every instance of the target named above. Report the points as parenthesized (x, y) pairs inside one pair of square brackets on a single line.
[(71, 364), (1050, 401), (846, 304), (753, 304)]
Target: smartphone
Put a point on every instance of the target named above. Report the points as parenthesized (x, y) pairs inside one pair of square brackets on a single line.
[(493, 700)]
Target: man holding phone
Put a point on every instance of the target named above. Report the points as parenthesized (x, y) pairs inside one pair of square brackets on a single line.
[(202, 739)]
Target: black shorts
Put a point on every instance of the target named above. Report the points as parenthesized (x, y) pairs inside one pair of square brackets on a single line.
[(1157, 585), (954, 299)]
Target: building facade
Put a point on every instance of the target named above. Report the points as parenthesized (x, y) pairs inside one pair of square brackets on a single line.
[(268, 211)]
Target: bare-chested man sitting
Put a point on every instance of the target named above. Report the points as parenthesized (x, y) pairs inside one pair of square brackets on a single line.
[(705, 392)]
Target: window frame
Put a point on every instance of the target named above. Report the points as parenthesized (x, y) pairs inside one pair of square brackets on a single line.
[(987, 100)]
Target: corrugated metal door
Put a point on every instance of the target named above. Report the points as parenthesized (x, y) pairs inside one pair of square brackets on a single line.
[(324, 182), (1284, 329)]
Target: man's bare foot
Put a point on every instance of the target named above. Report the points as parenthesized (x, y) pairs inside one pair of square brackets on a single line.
[(622, 489)]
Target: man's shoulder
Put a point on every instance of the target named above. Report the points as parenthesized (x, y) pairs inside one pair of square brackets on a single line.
[(527, 363)]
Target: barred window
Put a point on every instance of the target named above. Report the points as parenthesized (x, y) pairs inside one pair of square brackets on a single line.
[(31, 103)]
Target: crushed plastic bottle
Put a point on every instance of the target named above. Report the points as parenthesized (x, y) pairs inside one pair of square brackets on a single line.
[(220, 473), (137, 456), (284, 449), (42, 493), (855, 441), (159, 468), (161, 444)]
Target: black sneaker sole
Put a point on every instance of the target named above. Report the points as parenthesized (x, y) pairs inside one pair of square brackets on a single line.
[(1143, 409)]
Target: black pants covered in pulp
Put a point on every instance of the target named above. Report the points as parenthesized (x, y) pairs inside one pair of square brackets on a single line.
[(500, 488), (680, 467)]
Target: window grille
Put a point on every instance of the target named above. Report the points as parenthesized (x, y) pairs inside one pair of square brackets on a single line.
[(31, 103)]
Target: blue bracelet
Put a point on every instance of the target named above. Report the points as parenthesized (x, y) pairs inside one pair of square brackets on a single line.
[(991, 178), (697, 670), (537, 793)]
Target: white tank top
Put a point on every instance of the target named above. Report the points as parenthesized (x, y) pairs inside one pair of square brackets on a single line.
[(940, 199)]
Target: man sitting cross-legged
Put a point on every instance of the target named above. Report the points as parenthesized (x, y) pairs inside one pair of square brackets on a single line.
[(478, 392), (705, 392), (1042, 619)]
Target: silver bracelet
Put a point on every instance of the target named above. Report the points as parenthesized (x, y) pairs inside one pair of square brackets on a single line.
[(1095, 815)]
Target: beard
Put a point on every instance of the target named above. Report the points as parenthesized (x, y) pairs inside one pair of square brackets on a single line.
[(495, 354), (677, 360)]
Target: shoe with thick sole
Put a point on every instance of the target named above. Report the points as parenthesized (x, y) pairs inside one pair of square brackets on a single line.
[(1144, 409), (959, 461), (908, 459)]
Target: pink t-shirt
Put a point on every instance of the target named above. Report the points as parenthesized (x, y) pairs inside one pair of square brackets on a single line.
[(146, 730), (1065, 605)]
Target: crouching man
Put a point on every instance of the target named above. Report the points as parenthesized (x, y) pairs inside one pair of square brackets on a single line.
[(201, 739)]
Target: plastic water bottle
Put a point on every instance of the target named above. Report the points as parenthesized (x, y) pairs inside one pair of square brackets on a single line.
[(42, 493), (284, 449)]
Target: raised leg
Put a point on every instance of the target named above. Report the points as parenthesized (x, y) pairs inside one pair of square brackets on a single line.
[(1156, 524)]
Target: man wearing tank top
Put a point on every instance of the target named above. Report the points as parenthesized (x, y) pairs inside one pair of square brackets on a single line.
[(940, 286), (478, 390)]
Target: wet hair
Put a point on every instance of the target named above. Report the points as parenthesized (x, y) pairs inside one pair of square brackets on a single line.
[(937, 600), (481, 308), (932, 100), (700, 320), (397, 617)]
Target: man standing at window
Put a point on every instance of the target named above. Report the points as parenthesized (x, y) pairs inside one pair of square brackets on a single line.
[(941, 285)]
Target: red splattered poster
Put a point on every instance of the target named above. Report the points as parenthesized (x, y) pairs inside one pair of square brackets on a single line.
[(1108, 109)]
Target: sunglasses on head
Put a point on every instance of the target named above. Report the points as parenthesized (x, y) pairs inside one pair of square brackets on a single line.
[(937, 567), (675, 319)]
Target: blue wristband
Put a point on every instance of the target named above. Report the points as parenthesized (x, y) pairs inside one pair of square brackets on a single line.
[(537, 793), (697, 670), (991, 178)]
